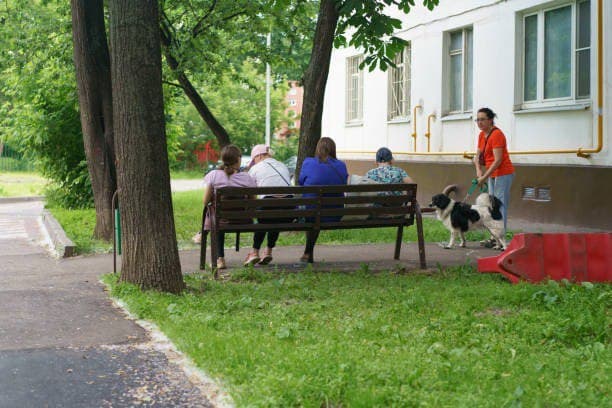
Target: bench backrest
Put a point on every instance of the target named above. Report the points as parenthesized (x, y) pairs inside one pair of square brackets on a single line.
[(360, 205)]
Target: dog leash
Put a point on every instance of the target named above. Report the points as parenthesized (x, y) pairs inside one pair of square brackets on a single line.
[(483, 189)]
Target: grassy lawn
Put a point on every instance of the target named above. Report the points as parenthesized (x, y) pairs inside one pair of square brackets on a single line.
[(453, 338), (187, 174), (21, 184), (79, 225)]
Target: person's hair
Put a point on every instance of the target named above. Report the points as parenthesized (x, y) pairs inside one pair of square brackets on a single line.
[(326, 148), (487, 111), (230, 157)]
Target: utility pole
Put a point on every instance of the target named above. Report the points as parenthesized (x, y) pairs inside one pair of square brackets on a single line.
[(268, 84)]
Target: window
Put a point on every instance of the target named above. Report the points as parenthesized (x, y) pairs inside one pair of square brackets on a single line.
[(460, 67), (293, 91), (398, 106), (354, 89), (557, 53), (292, 102)]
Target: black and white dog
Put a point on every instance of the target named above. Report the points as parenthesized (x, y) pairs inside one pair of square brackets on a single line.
[(459, 217)]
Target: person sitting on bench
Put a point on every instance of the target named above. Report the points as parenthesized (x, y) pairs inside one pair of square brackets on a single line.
[(323, 169), (386, 172), (227, 175), (267, 172)]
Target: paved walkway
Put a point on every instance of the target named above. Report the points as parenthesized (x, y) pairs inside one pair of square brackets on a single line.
[(62, 343)]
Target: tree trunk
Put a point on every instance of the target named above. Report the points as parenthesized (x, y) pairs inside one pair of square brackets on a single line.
[(92, 64), (315, 79), (150, 254), (216, 128)]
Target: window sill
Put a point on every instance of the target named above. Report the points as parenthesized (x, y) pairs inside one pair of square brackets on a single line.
[(456, 116), (398, 121), (555, 108), (353, 124)]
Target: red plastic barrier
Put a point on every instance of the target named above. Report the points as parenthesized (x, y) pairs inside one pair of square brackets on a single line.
[(576, 257)]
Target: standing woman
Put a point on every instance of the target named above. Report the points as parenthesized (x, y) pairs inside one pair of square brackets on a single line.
[(492, 160), (321, 170)]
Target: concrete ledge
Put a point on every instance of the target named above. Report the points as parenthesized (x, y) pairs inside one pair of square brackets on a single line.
[(61, 245), (8, 200)]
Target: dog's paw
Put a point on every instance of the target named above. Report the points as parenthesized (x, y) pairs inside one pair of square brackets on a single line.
[(447, 246), (462, 245)]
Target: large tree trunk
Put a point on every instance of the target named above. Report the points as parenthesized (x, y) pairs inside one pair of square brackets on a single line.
[(215, 127), (150, 256), (92, 63), (315, 79)]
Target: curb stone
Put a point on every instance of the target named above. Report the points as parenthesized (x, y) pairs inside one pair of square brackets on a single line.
[(61, 245)]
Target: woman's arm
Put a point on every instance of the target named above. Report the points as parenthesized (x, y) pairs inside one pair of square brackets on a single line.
[(207, 194), (498, 155), (477, 164), (408, 180)]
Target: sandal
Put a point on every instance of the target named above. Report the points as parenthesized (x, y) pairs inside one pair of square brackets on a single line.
[(251, 259), (488, 243), (267, 257)]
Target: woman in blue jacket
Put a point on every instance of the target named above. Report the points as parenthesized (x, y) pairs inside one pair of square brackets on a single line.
[(322, 170)]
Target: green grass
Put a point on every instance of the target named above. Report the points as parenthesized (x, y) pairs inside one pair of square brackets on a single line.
[(452, 338), (21, 184), (187, 174), (79, 225)]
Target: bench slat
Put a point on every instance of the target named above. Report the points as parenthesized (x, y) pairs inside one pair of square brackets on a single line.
[(268, 202)]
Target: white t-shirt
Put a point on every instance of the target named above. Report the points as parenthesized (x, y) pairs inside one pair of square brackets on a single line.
[(270, 173)]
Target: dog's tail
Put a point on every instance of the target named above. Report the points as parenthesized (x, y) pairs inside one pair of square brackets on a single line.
[(452, 188)]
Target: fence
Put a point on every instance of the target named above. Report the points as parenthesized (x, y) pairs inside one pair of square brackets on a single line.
[(13, 160)]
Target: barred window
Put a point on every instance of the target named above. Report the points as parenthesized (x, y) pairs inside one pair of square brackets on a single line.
[(398, 106), (354, 89)]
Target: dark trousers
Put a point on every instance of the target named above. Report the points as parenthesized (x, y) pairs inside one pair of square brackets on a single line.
[(221, 244), (311, 239), (259, 236)]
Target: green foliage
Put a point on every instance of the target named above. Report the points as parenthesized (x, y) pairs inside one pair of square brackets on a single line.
[(449, 338), (284, 149), (372, 29), (238, 101), (40, 113)]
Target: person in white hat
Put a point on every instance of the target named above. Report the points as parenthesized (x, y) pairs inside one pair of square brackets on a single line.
[(267, 172)]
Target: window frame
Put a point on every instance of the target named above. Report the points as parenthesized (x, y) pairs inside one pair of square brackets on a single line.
[(465, 55), (540, 101), (394, 113), (351, 117)]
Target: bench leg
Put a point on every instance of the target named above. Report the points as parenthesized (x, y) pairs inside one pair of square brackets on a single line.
[(237, 241), (419, 225), (398, 242), (214, 253), (203, 250)]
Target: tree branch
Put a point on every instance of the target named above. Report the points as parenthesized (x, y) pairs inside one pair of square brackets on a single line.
[(173, 84), (229, 17), (196, 29)]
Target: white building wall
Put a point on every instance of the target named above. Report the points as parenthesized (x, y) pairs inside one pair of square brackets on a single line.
[(495, 79)]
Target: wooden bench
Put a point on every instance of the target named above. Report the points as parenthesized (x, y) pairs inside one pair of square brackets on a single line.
[(232, 209)]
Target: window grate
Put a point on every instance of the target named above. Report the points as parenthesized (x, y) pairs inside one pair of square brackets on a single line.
[(531, 193)]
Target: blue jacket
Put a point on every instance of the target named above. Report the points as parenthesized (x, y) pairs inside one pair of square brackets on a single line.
[(319, 173)]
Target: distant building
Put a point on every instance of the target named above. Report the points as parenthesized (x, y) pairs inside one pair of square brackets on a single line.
[(294, 98)]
